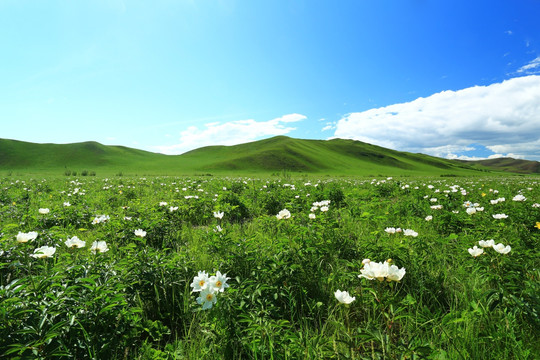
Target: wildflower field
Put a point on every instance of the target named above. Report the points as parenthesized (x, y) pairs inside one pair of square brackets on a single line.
[(244, 268)]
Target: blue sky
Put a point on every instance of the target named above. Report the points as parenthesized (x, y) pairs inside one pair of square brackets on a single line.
[(447, 78)]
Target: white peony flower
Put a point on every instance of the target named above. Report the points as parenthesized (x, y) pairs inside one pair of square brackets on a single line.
[(75, 242), (283, 214), (476, 251), (409, 232), (501, 249), (43, 252), (140, 233), (25, 237), (486, 243), (99, 247), (344, 297)]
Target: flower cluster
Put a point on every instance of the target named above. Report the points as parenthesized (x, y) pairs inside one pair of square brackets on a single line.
[(500, 248), (209, 287), (100, 219), (380, 271), (322, 205), (406, 232)]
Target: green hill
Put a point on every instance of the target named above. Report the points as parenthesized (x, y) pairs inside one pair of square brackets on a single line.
[(274, 155), (509, 164)]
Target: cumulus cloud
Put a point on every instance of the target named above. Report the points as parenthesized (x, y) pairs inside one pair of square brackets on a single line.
[(503, 117), (231, 133)]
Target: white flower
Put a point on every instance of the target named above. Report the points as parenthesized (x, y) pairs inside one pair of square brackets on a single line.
[(218, 229), (535, 205), (429, 218), (475, 251), (433, 199), (380, 271), (44, 211), (324, 208), (162, 203), (519, 197), (43, 252), (140, 233), (390, 230), (374, 270), (200, 282), (218, 215), (283, 214), (75, 242), (486, 243), (471, 210), (436, 207), (409, 232), (99, 247), (25, 237), (365, 261), (501, 249), (173, 208), (500, 216), (67, 203), (394, 273), (312, 216), (344, 297), (100, 218), (218, 282), (207, 298)]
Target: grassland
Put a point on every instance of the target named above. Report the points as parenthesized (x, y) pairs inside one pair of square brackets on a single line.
[(137, 298), (276, 155)]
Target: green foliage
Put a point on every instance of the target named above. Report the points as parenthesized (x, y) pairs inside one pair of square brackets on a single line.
[(135, 301)]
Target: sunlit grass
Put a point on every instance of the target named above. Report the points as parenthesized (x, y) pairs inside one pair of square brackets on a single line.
[(129, 290)]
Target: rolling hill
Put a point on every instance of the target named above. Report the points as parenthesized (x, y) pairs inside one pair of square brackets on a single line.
[(273, 155)]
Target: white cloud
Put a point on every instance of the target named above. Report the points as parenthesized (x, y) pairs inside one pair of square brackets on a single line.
[(504, 117), (230, 133), (448, 151), (531, 68)]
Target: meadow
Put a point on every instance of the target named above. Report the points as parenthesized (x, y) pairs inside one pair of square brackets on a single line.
[(209, 267)]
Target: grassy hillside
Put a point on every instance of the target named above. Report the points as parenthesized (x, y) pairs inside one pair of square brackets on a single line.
[(509, 164), (337, 156), (264, 157)]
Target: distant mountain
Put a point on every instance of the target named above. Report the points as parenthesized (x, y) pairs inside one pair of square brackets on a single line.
[(275, 155), (508, 164)]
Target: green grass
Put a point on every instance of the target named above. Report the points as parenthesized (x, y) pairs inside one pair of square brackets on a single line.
[(265, 157), (135, 300)]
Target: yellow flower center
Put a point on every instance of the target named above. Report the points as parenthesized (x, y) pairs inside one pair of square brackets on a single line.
[(218, 284), (201, 283), (209, 297)]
